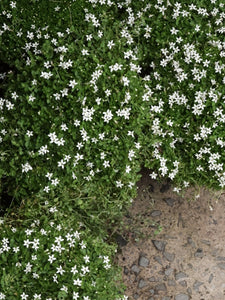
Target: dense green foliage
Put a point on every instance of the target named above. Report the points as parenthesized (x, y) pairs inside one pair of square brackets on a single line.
[(98, 88)]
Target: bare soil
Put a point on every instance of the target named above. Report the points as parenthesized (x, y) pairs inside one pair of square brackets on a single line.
[(175, 245)]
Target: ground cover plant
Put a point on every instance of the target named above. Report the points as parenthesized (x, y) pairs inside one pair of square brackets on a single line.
[(96, 89)]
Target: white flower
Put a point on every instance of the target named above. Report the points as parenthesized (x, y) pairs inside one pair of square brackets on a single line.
[(24, 296), (77, 282), (26, 167), (75, 295), (110, 44), (107, 116), (88, 113), (60, 270)]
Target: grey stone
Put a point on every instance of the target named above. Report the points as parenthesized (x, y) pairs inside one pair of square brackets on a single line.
[(197, 285), (169, 256), (189, 291), (171, 282), (182, 297), (142, 283), (166, 298), (135, 269), (151, 291), (169, 201), (199, 253), (183, 283), (206, 242), (152, 279), (191, 242), (180, 275), (220, 258), (168, 271), (136, 296), (161, 287), (158, 259), (210, 278), (143, 261), (159, 245), (221, 266), (126, 270), (155, 213)]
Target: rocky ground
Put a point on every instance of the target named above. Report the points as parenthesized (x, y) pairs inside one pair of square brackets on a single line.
[(173, 247)]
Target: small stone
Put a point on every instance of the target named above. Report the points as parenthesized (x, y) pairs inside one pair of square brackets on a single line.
[(126, 270), (189, 291), (142, 283), (221, 266), (169, 201), (152, 291), (182, 297), (143, 261), (180, 275), (183, 283), (152, 279), (136, 296), (159, 245), (171, 282), (158, 259), (155, 213), (210, 278), (196, 285), (161, 287), (135, 269), (166, 298), (168, 271), (206, 242), (169, 256), (220, 258), (199, 253), (191, 242)]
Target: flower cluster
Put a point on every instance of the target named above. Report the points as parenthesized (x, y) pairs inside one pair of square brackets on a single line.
[(47, 259)]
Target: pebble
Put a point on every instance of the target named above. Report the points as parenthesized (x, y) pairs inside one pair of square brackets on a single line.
[(152, 279), (182, 297), (191, 242), (135, 269), (142, 283), (168, 271), (197, 285), (221, 266), (158, 259), (183, 283), (161, 287), (171, 282), (169, 256), (199, 253), (159, 245), (180, 275), (143, 261), (210, 278), (166, 298), (220, 258), (169, 201), (136, 296), (189, 291), (126, 270), (155, 213)]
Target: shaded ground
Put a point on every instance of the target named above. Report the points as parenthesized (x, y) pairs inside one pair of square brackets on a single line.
[(186, 260)]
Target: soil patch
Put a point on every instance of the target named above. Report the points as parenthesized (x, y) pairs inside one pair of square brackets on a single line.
[(175, 245)]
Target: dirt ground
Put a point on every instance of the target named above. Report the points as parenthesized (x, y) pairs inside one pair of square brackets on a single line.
[(175, 245)]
